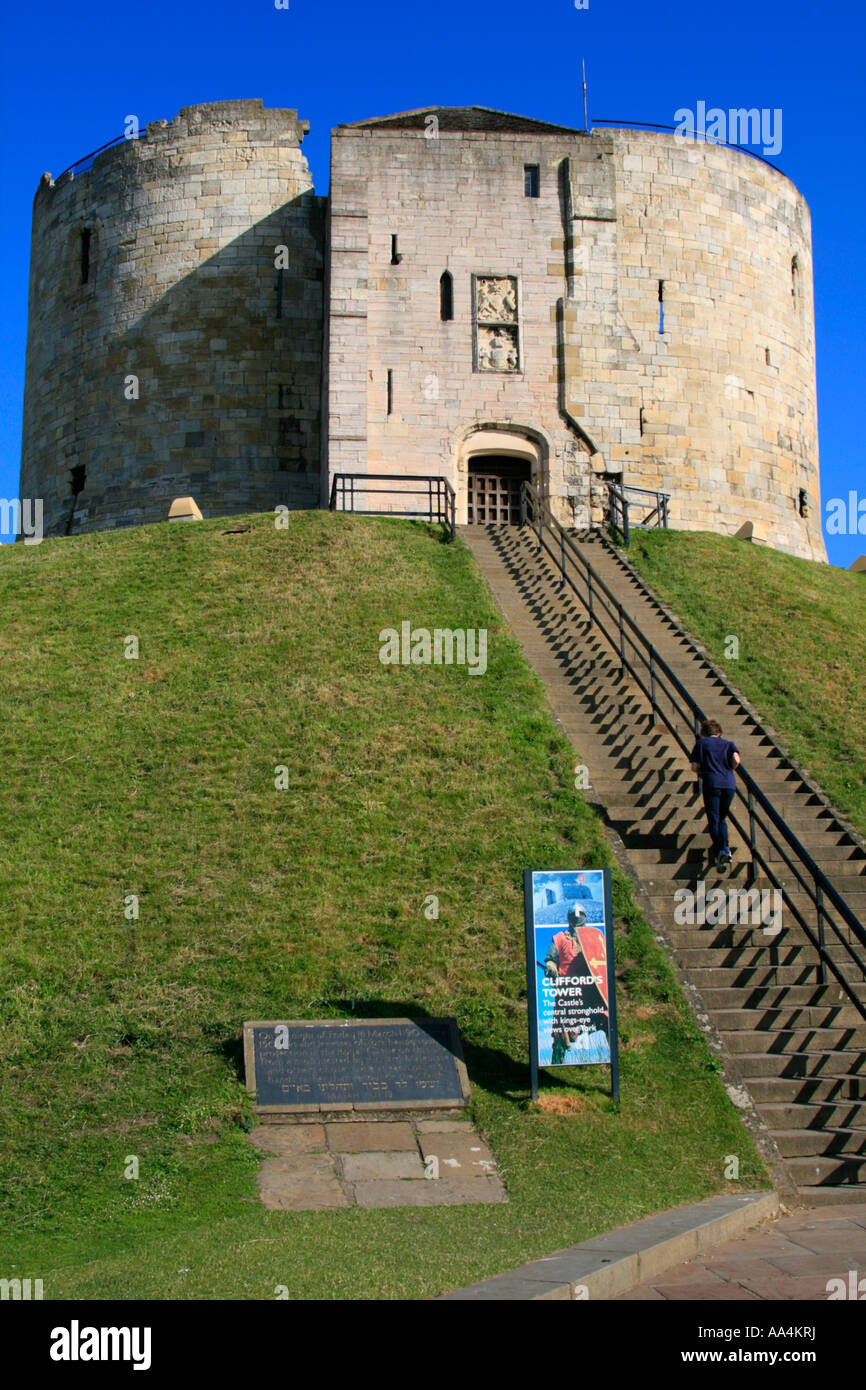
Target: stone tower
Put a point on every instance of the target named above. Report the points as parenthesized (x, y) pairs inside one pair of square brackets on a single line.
[(482, 297), (172, 347), (507, 294)]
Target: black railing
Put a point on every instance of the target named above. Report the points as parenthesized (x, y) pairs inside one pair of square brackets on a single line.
[(349, 490), (650, 509), (707, 139), (87, 159), (671, 701)]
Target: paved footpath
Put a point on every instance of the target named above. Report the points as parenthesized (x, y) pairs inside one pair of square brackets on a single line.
[(793, 1257)]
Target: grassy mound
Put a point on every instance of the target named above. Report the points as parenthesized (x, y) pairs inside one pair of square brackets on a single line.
[(155, 778), (802, 643)]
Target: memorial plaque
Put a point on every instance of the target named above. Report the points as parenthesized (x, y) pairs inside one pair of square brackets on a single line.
[(362, 1064)]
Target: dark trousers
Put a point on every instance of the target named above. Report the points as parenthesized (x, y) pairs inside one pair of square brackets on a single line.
[(717, 804)]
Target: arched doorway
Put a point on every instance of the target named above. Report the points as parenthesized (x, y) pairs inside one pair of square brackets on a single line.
[(493, 489), (496, 462)]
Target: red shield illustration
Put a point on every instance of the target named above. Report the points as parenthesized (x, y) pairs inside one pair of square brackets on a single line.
[(592, 944)]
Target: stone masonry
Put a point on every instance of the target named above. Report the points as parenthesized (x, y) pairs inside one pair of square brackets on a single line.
[(179, 360), (477, 285)]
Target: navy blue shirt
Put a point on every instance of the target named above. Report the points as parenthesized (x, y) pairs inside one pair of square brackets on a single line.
[(715, 757)]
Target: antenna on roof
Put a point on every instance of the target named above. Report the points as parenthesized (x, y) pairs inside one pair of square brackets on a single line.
[(585, 123)]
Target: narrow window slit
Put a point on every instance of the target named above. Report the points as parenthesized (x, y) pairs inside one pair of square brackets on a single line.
[(86, 238), (446, 297)]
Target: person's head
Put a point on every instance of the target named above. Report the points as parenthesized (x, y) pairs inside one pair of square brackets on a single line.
[(576, 918), (711, 728)]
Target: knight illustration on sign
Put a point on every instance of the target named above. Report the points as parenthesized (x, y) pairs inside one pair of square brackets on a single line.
[(578, 952)]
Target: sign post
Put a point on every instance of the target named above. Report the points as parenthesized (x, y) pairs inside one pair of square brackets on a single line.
[(571, 984)]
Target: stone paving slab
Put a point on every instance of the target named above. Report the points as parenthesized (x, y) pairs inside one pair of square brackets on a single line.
[(289, 1140), (792, 1258), (314, 1166), (302, 1183), (445, 1127), (360, 1167), (367, 1136), (464, 1155)]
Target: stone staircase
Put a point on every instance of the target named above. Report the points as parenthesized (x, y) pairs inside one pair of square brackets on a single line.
[(797, 1045)]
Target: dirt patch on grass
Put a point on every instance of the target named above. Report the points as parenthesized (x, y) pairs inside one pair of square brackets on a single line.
[(562, 1104)]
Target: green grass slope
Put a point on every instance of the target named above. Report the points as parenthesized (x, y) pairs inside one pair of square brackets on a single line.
[(155, 777), (802, 643)]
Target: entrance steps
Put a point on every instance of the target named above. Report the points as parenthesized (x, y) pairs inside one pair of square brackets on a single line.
[(794, 1041)]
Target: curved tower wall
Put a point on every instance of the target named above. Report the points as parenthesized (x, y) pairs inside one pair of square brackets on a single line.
[(728, 390), (184, 361), (166, 353), (719, 409)]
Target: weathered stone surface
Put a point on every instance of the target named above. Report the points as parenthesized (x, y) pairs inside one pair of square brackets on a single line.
[(364, 1166), (461, 1154), (289, 1141), (375, 1163), (185, 298), (719, 409), (300, 1183), (363, 1137), (445, 1127), (187, 362)]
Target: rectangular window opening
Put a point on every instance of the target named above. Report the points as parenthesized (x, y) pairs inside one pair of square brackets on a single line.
[(530, 180), (85, 255), (390, 391), (395, 257)]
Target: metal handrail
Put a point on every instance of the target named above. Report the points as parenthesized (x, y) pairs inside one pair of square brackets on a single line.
[(620, 504), (138, 135), (820, 890), (441, 497), (708, 139)]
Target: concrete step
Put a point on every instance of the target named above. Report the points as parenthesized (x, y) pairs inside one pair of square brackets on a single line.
[(681, 818), (829, 1172), (754, 957), (693, 865), (830, 1143), (685, 841), (802, 1065), (775, 997), (849, 1194), (767, 983), (737, 938), (781, 1020), (745, 982), (838, 1117), (660, 803), (799, 1093), (784, 1041)]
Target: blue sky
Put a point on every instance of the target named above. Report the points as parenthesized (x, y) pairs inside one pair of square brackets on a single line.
[(72, 73)]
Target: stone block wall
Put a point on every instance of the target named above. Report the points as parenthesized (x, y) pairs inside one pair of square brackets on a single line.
[(169, 355), (718, 409), (180, 360)]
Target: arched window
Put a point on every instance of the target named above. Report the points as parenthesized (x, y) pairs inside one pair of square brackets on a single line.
[(446, 297), (795, 279)]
